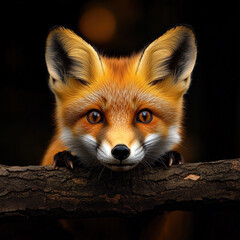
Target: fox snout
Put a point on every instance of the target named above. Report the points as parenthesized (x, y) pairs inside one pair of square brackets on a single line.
[(120, 157), (120, 152)]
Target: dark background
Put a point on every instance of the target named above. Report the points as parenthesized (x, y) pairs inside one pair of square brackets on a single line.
[(212, 103)]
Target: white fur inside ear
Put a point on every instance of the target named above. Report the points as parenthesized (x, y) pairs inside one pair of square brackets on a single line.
[(68, 55), (172, 54), (183, 56), (51, 66)]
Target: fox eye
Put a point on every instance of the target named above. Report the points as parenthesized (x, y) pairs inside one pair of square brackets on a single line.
[(144, 116), (94, 116)]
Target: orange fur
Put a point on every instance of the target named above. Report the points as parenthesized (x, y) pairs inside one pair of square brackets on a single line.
[(155, 79), (55, 147), (118, 88)]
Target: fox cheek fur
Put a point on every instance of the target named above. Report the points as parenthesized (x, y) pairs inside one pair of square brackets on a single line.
[(119, 112)]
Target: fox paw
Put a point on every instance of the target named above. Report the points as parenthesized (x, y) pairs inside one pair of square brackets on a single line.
[(64, 159), (172, 157)]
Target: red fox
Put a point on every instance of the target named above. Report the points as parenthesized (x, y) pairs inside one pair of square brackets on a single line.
[(118, 112), (122, 112)]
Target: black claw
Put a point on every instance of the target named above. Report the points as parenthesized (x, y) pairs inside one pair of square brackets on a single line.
[(171, 158), (65, 159)]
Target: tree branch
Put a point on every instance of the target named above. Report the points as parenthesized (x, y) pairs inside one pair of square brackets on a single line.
[(43, 191)]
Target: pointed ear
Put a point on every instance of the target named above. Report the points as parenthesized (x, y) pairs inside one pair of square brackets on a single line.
[(171, 56), (69, 56)]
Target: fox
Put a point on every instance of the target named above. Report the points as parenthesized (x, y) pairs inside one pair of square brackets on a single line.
[(118, 112)]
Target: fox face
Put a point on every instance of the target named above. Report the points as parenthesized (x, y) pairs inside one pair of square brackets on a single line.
[(120, 112)]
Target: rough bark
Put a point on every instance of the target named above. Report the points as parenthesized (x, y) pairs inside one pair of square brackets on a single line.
[(42, 191)]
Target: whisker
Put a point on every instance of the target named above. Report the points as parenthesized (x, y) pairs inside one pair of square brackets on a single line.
[(100, 174), (159, 159), (148, 165)]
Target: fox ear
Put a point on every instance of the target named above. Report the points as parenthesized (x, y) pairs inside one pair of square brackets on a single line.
[(68, 55), (171, 55)]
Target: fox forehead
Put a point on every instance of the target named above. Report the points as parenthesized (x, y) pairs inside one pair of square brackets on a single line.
[(119, 68), (119, 102), (119, 93)]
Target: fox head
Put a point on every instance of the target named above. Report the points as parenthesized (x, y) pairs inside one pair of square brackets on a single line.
[(120, 111)]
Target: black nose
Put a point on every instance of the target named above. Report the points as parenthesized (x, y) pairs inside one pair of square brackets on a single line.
[(120, 152)]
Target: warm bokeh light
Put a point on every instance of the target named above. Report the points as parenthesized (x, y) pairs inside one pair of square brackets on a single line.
[(98, 24)]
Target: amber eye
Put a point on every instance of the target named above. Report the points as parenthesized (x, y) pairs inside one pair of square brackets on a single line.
[(94, 116), (144, 116)]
